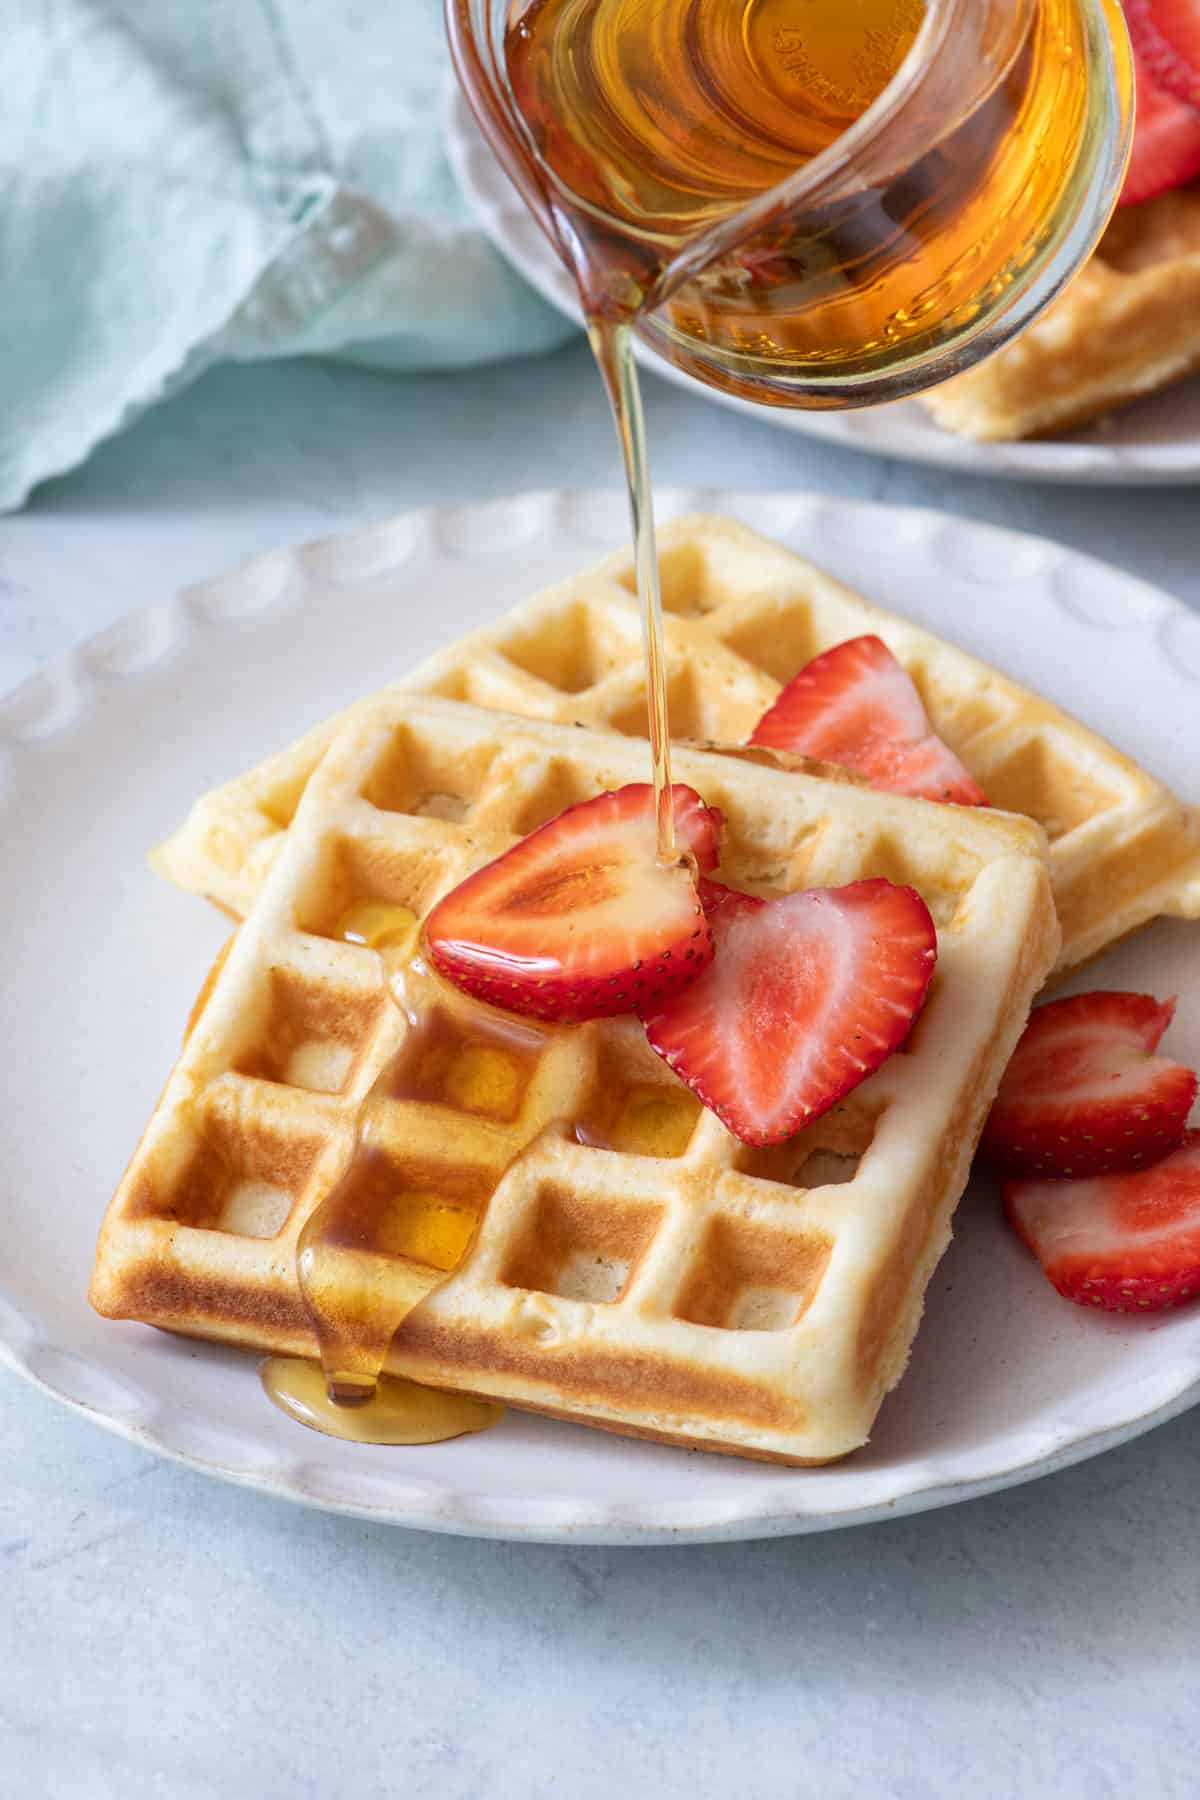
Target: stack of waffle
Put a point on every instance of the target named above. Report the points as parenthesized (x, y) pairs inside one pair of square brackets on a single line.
[(628, 1263)]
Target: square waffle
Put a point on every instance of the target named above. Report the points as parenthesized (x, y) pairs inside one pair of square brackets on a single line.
[(635, 1266), (742, 614), (1128, 325)]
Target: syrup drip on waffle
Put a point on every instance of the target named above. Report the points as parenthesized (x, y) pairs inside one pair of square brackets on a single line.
[(389, 1234)]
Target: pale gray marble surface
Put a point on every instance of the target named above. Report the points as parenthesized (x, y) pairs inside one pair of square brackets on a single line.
[(162, 1634)]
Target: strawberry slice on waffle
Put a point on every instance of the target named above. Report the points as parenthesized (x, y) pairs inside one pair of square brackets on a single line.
[(805, 997), (580, 920)]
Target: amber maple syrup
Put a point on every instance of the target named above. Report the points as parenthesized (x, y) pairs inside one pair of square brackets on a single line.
[(646, 126)]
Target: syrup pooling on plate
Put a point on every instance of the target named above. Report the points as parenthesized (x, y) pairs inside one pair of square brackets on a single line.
[(397, 1224), (399, 1411)]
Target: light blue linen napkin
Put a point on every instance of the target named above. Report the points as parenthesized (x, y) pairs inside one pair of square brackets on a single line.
[(187, 181)]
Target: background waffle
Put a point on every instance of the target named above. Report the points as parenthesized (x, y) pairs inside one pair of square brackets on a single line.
[(636, 1267), (741, 616), (1128, 324)]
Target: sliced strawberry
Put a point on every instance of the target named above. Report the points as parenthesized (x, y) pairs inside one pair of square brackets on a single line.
[(1129, 1243), (856, 706), (805, 997), (1083, 1093), (1166, 141), (1166, 43), (579, 920)]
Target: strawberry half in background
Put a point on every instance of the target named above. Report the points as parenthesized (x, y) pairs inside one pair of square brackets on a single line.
[(1084, 1093), (1166, 40), (1112, 1211), (1127, 1243), (857, 706), (1166, 66)]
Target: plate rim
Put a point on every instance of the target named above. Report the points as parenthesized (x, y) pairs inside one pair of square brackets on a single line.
[(620, 1526), (29, 718), (1086, 460)]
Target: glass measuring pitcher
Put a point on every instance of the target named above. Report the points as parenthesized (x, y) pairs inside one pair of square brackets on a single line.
[(812, 203)]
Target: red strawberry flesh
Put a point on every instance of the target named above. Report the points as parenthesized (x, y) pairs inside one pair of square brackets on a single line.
[(579, 920), (855, 705), (806, 996), (1166, 141), (1166, 42), (1127, 1242), (1083, 1093)]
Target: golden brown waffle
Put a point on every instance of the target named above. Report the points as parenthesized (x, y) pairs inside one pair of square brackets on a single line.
[(742, 615), (1128, 325), (637, 1267)]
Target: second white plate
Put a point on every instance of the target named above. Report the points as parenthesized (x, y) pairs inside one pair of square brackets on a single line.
[(1154, 443)]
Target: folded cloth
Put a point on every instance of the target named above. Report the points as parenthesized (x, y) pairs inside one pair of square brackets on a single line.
[(186, 181)]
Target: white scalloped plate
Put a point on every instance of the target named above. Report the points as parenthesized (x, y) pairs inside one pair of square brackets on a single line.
[(101, 754), (1153, 443)]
